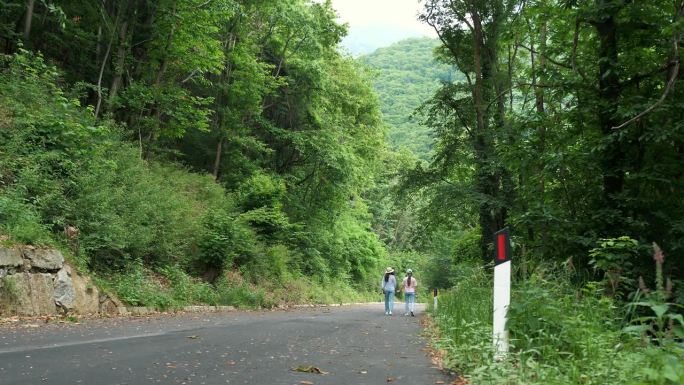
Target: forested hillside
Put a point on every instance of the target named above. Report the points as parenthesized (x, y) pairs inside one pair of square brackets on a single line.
[(196, 147), (567, 130), (406, 75)]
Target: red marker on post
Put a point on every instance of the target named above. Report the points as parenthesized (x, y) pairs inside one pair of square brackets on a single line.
[(502, 289)]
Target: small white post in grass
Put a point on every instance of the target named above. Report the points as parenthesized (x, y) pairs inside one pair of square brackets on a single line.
[(434, 299), (502, 290)]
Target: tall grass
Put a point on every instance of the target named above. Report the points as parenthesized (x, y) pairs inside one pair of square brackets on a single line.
[(560, 334), (464, 318)]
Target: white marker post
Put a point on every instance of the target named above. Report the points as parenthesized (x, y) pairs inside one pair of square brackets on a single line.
[(502, 290), (434, 299)]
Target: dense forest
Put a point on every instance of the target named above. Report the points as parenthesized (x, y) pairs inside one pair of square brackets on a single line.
[(210, 144), (566, 129), (226, 152)]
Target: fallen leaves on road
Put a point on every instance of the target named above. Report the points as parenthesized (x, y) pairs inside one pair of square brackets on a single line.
[(309, 369), (306, 382), (390, 379), (193, 337)]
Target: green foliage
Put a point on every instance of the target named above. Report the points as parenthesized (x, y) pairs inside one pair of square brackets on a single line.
[(20, 222), (525, 142), (185, 289), (615, 258), (552, 325), (406, 75), (153, 228), (136, 287), (223, 239), (559, 335), (467, 247), (261, 191), (127, 210), (659, 324), (614, 254), (448, 258), (243, 296), (464, 319)]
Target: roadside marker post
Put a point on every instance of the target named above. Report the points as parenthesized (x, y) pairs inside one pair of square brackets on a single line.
[(502, 290), (434, 299)]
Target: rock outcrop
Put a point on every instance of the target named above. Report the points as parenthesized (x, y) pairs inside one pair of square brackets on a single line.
[(10, 258), (36, 281), (43, 259)]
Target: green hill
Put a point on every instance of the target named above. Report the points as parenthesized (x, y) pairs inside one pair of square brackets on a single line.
[(407, 75)]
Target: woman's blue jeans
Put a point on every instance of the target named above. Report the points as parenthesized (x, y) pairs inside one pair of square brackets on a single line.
[(410, 299), (389, 301)]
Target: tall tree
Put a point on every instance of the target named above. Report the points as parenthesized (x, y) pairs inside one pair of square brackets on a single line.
[(470, 32)]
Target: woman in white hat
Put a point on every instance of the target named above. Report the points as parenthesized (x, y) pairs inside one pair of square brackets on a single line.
[(409, 286), (389, 285)]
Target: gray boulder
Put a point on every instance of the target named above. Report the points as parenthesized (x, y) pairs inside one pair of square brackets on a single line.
[(47, 259), (10, 257), (34, 294), (65, 294)]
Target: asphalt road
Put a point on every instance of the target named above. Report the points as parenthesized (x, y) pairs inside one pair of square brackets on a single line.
[(354, 345)]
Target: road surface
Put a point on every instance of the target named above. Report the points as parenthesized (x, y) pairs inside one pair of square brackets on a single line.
[(352, 345)]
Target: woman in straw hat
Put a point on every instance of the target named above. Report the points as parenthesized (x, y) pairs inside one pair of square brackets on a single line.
[(389, 285)]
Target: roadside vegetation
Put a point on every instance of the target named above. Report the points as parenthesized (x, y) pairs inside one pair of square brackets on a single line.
[(562, 331), (565, 129), (194, 154)]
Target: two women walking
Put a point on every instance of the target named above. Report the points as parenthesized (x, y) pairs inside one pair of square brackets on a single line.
[(408, 285)]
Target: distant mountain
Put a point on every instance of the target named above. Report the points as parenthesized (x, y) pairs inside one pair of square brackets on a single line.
[(363, 40), (407, 76)]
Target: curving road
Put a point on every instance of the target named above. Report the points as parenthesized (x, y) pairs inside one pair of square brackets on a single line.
[(354, 345)]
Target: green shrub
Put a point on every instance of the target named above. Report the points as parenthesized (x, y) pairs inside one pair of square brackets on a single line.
[(128, 210), (614, 258), (136, 287), (187, 290), (559, 334), (261, 190), (20, 222), (223, 240), (467, 247), (442, 269), (658, 323), (233, 290)]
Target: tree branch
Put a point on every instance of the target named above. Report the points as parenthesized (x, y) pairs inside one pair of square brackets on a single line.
[(671, 81), (556, 62), (646, 75)]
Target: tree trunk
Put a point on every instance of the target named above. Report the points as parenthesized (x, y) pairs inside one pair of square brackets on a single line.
[(125, 33), (30, 4), (217, 159), (226, 74), (537, 73), (487, 175), (121, 52), (612, 161), (105, 60)]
